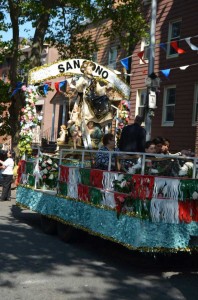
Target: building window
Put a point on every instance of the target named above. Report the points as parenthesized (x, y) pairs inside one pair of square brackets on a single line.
[(95, 57), (112, 58), (195, 106), (169, 106), (173, 35), (140, 102), (145, 47)]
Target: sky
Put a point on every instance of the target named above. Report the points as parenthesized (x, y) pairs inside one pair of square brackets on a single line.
[(7, 36)]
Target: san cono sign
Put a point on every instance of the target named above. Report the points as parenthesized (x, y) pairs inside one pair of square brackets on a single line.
[(72, 67), (99, 71)]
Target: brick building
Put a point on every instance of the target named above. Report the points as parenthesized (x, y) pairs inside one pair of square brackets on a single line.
[(176, 113), (177, 96)]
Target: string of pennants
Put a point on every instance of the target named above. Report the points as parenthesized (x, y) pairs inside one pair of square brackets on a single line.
[(61, 86), (166, 72), (45, 87), (174, 45)]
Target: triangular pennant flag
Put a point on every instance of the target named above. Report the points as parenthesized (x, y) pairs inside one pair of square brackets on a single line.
[(45, 88), (60, 86), (18, 87), (192, 46), (42, 89), (184, 67), (177, 49), (163, 46), (125, 63), (166, 72), (56, 85), (140, 55)]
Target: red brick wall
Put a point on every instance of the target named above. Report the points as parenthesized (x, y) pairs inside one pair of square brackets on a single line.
[(182, 134)]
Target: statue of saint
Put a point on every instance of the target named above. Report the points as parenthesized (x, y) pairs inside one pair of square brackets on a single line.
[(62, 134), (95, 133), (76, 135)]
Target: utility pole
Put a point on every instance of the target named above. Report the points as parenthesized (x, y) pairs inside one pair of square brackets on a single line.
[(149, 112)]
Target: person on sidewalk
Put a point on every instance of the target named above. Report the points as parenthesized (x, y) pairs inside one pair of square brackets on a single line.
[(7, 167)]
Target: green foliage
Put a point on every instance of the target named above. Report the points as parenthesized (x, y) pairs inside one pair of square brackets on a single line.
[(128, 21), (61, 23), (4, 103), (24, 145)]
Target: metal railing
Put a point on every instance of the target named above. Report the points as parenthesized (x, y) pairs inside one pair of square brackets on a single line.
[(156, 159), (47, 135)]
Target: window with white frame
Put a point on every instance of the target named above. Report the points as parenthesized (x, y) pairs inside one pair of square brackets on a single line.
[(140, 102), (145, 47), (169, 105), (173, 35), (112, 57), (195, 106), (95, 57)]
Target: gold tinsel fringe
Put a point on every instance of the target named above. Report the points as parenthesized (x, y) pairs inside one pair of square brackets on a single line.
[(140, 249)]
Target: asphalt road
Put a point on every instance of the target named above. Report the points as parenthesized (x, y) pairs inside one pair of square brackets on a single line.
[(34, 265)]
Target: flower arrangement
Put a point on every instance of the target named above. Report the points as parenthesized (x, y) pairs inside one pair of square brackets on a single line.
[(48, 168), (123, 183), (186, 169), (28, 120), (133, 206)]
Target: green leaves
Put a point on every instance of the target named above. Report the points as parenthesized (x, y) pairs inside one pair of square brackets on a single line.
[(65, 24)]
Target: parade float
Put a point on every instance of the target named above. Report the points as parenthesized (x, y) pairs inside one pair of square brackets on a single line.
[(150, 206)]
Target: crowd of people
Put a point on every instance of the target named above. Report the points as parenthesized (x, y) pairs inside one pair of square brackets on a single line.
[(133, 139)]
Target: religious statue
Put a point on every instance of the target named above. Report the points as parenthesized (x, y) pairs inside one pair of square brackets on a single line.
[(95, 134), (62, 134), (76, 135), (95, 105)]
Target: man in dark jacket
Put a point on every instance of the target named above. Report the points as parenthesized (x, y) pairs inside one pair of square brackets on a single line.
[(133, 137)]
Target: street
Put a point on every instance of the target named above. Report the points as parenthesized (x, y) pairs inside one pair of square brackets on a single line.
[(39, 266)]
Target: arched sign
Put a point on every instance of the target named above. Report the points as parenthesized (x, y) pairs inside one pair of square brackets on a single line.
[(73, 67)]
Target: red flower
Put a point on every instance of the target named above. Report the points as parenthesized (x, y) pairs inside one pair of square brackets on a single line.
[(121, 198)]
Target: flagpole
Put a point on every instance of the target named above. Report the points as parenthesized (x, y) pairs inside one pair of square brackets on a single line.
[(149, 112)]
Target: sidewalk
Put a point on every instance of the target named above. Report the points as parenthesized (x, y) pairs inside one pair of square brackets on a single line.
[(12, 214), (13, 194)]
